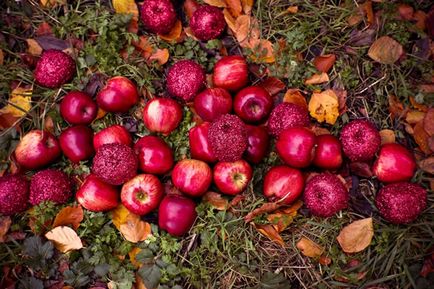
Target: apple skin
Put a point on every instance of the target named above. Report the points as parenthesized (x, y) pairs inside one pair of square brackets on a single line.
[(96, 195), (76, 143), (112, 134), (328, 152), (232, 178), (142, 194), (258, 143), (200, 148), (283, 184), (37, 149), (192, 177), (296, 146), (118, 95), (176, 214), (162, 115), (395, 163), (78, 107), (212, 103), (155, 155), (231, 73), (253, 104)]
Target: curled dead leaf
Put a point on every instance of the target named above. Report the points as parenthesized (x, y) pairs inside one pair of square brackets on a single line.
[(72, 215), (282, 218), (270, 232), (294, 95), (19, 102), (5, 224), (385, 50), (265, 208), (427, 165), (309, 248), (387, 136), (216, 200), (317, 79), (324, 62), (130, 225), (356, 236), (64, 238), (324, 106), (230, 20)]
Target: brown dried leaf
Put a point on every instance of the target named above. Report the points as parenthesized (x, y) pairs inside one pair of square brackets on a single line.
[(271, 233), (235, 7), (414, 116), (428, 122), (5, 224), (216, 3), (418, 106), (387, 136), (292, 9), (317, 79), (294, 95), (324, 62), (69, 216), (246, 30), (367, 9), (33, 47), (342, 99), (2, 57), (216, 200), (230, 20), (265, 208), (385, 50), (247, 6), (356, 236), (324, 106), (420, 18), (427, 165), (323, 260), (64, 238), (396, 108), (273, 85), (174, 34), (406, 11), (309, 248), (421, 137)]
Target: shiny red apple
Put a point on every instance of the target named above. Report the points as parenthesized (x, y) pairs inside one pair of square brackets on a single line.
[(37, 149), (328, 152), (231, 73), (78, 107), (296, 146), (76, 143), (200, 148), (118, 95), (176, 214), (283, 184), (192, 177), (162, 115), (96, 195), (112, 134), (253, 104), (155, 155), (258, 143), (395, 163), (142, 194), (212, 103), (232, 178)]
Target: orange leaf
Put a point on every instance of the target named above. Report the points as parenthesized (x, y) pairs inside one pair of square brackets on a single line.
[(216, 3), (324, 62), (64, 238), (318, 130), (235, 7), (49, 124), (230, 20), (265, 208), (356, 236), (2, 57), (144, 46), (189, 7), (271, 233), (385, 50), (387, 136), (52, 3), (396, 108), (5, 224), (101, 113), (420, 18), (216, 200), (161, 55), (130, 225), (421, 137), (264, 49), (317, 79), (292, 9), (414, 116), (273, 85), (293, 95), (428, 122), (367, 8), (324, 106), (33, 47), (418, 106), (247, 6), (246, 31), (133, 253), (281, 219), (174, 34), (309, 248), (405, 11), (69, 216)]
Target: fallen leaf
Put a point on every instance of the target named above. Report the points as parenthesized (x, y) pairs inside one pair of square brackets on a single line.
[(324, 106), (318, 130), (396, 108), (52, 3), (405, 11), (367, 9), (342, 99), (144, 46), (355, 19), (309, 248), (2, 57), (271, 233), (428, 263), (236, 200), (235, 7), (50, 42), (427, 165), (292, 9), (317, 79), (324, 62), (190, 7), (19, 102), (420, 17), (246, 31), (174, 34), (133, 253), (247, 6), (33, 47), (356, 236), (216, 200), (421, 137), (72, 215), (294, 95), (216, 3), (44, 29), (414, 116), (230, 20), (130, 225), (281, 219), (161, 56), (265, 208), (385, 50), (64, 238), (126, 7), (428, 122), (119, 215), (387, 136), (273, 85), (5, 224), (323, 260), (49, 124), (418, 106)]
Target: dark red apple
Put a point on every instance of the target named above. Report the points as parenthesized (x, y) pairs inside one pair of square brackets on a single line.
[(296, 146), (253, 104), (328, 152), (394, 164), (142, 194), (212, 103), (96, 195), (231, 73), (192, 177), (176, 214), (112, 134), (258, 143), (76, 143), (162, 115), (155, 155), (232, 177), (78, 107), (283, 184), (118, 95), (37, 149), (200, 148)]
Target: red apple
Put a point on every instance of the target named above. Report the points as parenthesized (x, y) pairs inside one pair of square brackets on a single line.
[(142, 194), (394, 164), (232, 177), (283, 184), (37, 149), (296, 146), (118, 95), (112, 134), (200, 148), (162, 115), (96, 195), (328, 152), (78, 107), (155, 155), (258, 143), (253, 104), (212, 103), (76, 143), (176, 214), (192, 177), (231, 73)]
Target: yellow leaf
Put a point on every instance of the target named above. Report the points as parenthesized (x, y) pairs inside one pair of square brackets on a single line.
[(5, 224), (33, 47), (387, 136), (19, 102), (317, 79), (133, 253), (414, 116), (216, 200), (119, 215), (52, 3), (72, 215), (130, 225), (64, 238), (174, 34), (126, 7), (271, 233), (247, 6), (161, 56), (309, 248), (356, 236), (292, 9), (385, 50), (216, 3), (324, 106)]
